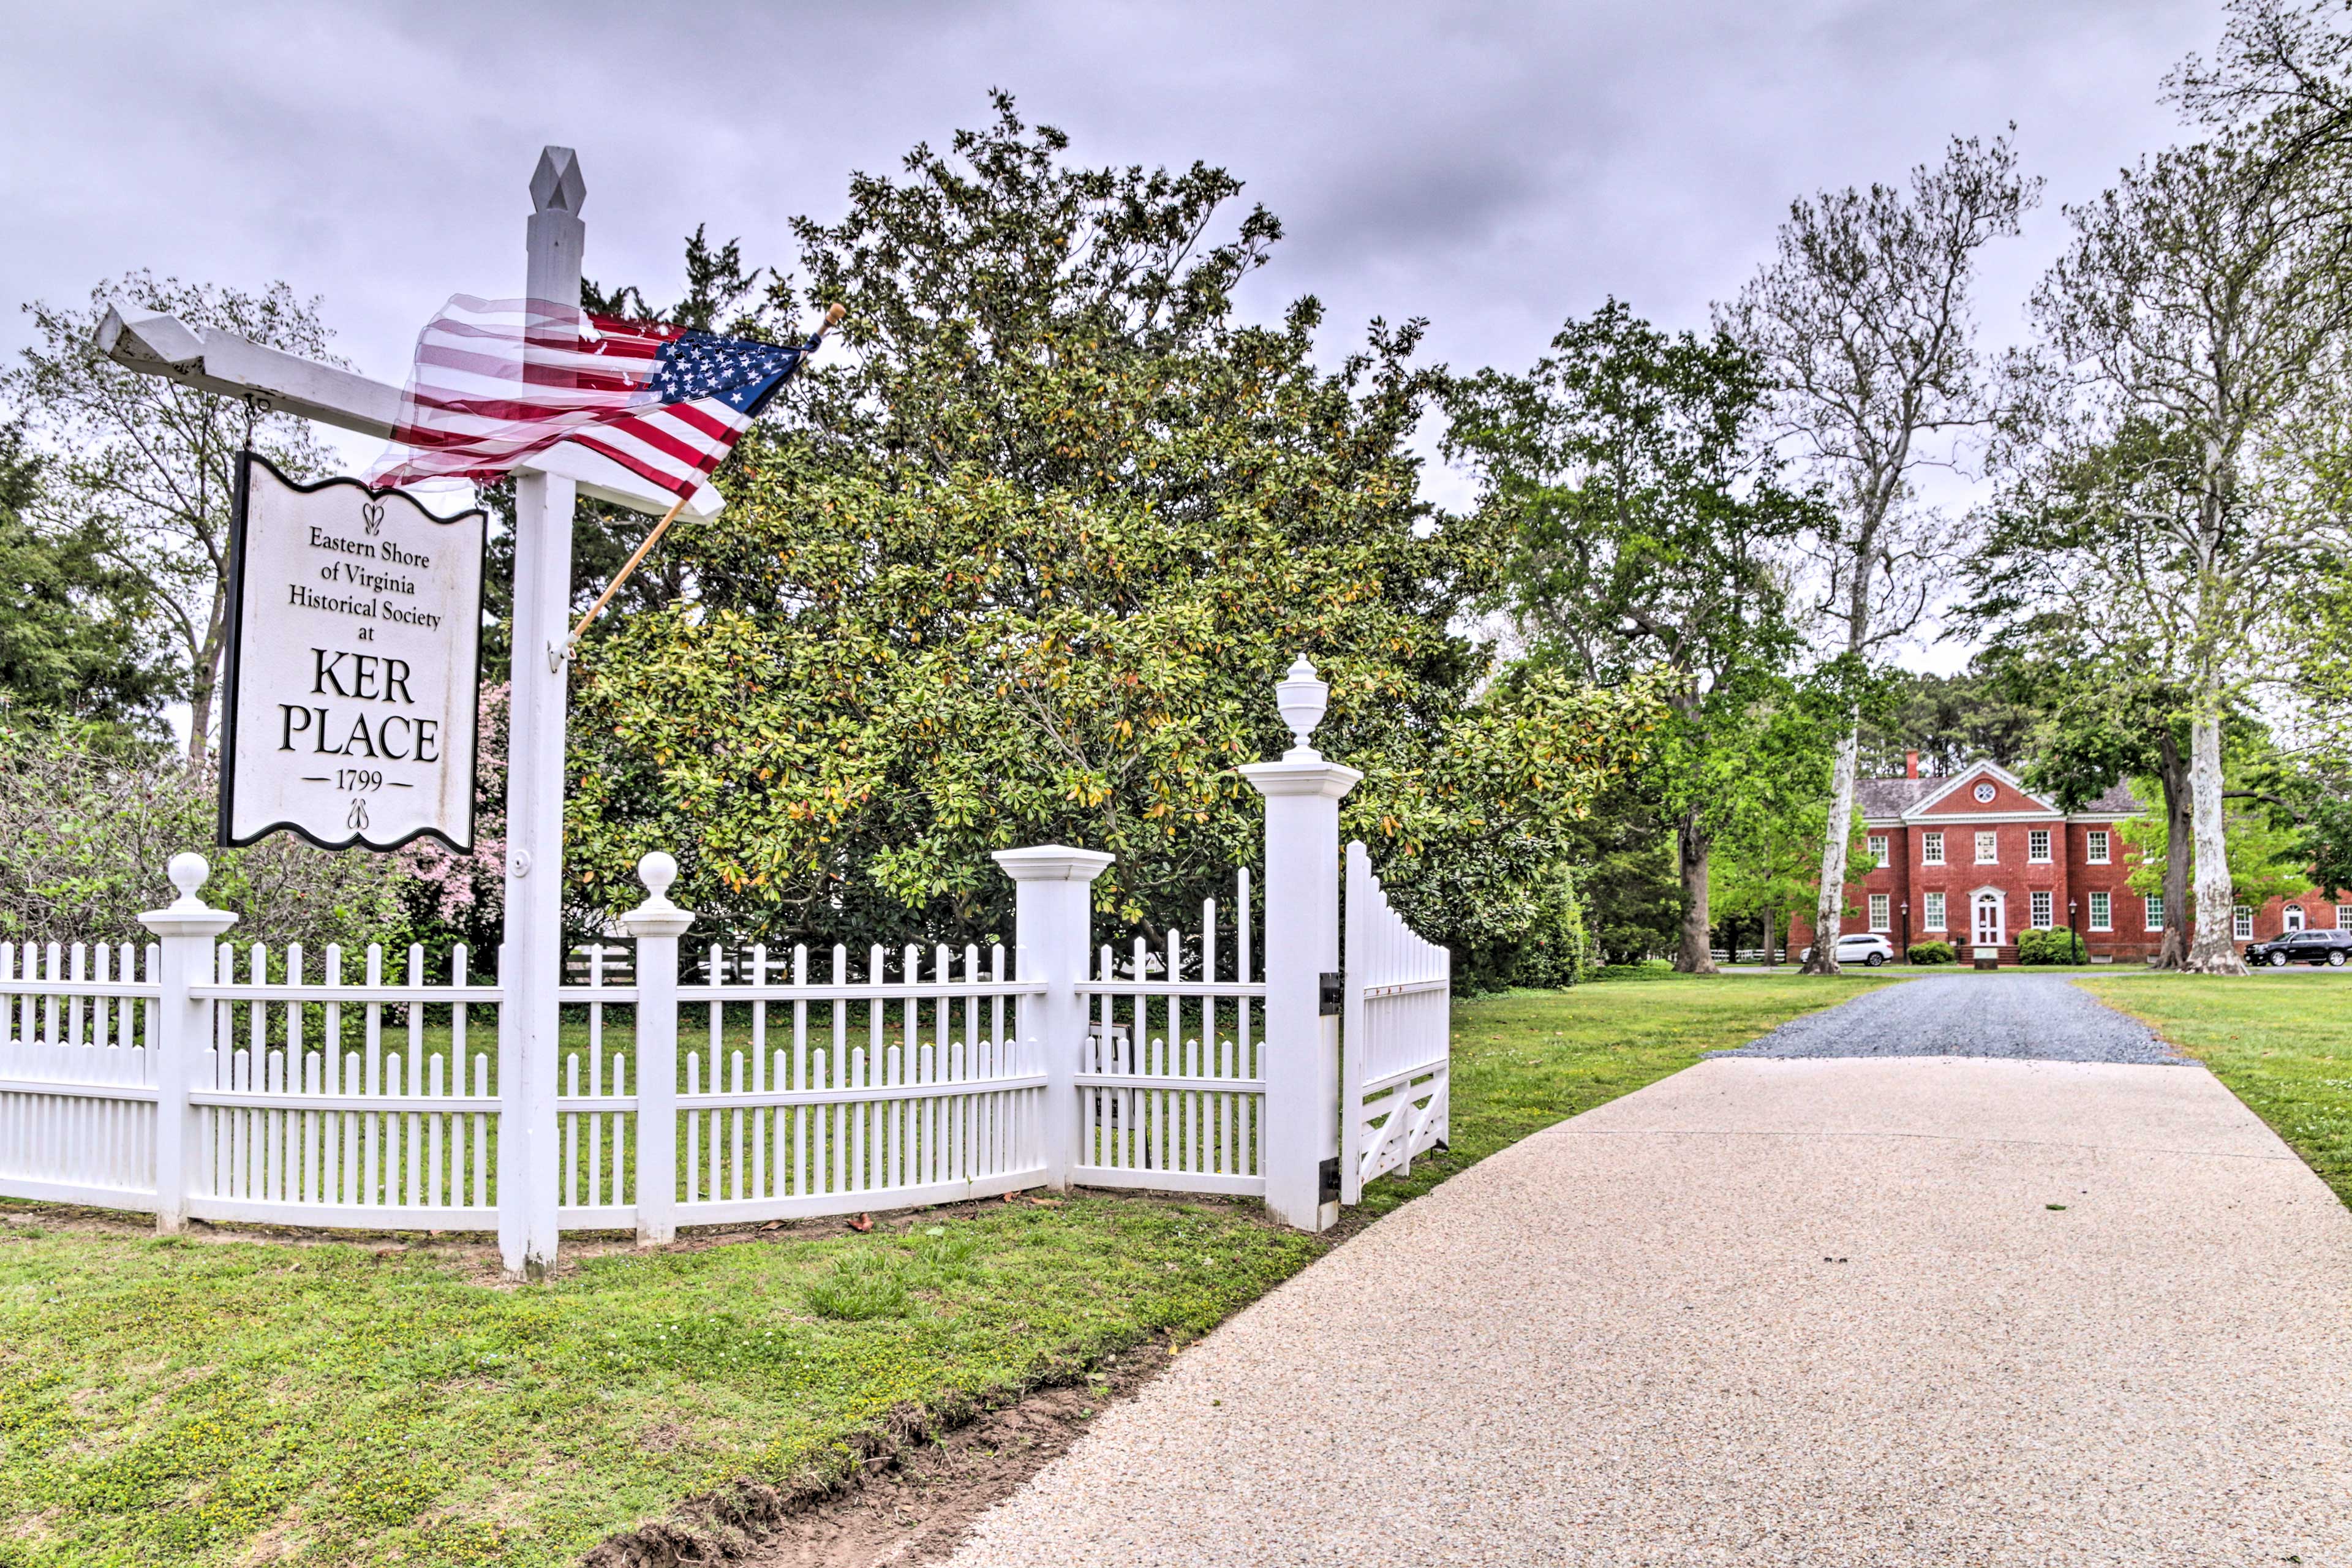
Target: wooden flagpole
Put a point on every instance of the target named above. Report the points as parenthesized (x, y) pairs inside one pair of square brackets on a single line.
[(832, 318), (614, 586)]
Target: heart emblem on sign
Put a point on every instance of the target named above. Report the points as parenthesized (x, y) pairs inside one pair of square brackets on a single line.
[(372, 515)]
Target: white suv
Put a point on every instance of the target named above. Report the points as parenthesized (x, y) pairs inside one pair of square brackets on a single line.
[(1865, 947)]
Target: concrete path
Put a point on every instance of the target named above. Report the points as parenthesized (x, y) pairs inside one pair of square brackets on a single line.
[(1817, 1311)]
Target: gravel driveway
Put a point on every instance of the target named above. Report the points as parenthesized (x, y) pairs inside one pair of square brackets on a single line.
[(2017, 1017)]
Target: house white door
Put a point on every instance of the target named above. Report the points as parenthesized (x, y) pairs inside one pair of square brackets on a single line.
[(1988, 922)]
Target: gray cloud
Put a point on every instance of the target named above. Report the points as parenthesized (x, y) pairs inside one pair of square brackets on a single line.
[(1493, 167)]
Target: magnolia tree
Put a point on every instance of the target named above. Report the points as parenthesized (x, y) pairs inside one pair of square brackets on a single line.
[(1862, 326), (1022, 563)]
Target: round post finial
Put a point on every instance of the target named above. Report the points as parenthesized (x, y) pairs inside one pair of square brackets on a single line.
[(657, 871), (188, 872), (1302, 699)]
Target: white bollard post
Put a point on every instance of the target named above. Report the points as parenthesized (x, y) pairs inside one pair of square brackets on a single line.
[(1053, 924), (532, 958), (187, 927), (656, 924), (1301, 1131)]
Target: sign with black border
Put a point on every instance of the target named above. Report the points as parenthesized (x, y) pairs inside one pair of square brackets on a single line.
[(353, 679)]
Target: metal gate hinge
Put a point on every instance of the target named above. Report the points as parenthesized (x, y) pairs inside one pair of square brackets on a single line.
[(1331, 995), (1327, 1186)]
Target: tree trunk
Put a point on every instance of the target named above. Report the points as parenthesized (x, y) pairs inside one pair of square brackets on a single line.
[(2172, 773), (1770, 958), (205, 677), (1830, 909), (2213, 950), (1693, 846)]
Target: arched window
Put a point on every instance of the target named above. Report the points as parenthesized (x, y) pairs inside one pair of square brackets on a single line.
[(2295, 916)]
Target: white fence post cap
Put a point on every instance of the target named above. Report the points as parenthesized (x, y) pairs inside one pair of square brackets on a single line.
[(1052, 863), (657, 916), (1295, 775), (188, 915)]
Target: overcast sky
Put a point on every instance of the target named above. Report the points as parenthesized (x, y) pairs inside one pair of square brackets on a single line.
[(1494, 168)]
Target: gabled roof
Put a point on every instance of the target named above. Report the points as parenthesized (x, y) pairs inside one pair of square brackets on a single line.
[(1882, 799), (1977, 770)]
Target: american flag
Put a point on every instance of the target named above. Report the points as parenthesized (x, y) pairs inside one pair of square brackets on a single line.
[(499, 380)]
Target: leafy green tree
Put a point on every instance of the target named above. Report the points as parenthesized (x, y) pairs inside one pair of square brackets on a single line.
[(148, 466), (1646, 527), (73, 626), (1023, 563)]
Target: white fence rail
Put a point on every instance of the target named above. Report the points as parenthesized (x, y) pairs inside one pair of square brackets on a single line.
[(1170, 1078), (1396, 1017)]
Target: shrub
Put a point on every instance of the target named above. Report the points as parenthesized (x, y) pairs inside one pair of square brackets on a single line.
[(1932, 953), (2053, 945), (86, 826)]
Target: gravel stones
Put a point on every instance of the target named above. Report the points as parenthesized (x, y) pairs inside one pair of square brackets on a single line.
[(2017, 1017)]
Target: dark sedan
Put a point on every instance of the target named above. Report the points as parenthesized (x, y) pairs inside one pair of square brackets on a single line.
[(2333, 948)]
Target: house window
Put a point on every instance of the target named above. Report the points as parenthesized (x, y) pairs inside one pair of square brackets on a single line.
[(1935, 911), (2102, 912), (2042, 921), (1931, 849), (1988, 848), (2344, 917), (2095, 843), (1878, 848), (2245, 923), (2156, 912), (2037, 846), (1879, 918), (2293, 917)]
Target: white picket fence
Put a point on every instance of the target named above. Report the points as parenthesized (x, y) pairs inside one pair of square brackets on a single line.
[(1396, 1066), (1170, 1082), (76, 1075), (193, 1078)]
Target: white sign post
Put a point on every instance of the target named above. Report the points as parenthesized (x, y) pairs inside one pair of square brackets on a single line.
[(531, 962), (354, 666)]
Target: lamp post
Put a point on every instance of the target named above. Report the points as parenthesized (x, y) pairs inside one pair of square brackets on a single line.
[(1906, 931), (2070, 907)]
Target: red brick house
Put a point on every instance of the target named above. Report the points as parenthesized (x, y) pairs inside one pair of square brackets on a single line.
[(1974, 858)]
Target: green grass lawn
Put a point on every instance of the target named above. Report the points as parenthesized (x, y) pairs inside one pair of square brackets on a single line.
[(168, 1401), (2282, 1043)]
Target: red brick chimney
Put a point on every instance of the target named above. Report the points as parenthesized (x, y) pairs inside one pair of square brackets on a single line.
[(1910, 764)]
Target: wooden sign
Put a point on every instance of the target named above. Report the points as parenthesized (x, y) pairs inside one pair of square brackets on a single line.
[(354, 665)]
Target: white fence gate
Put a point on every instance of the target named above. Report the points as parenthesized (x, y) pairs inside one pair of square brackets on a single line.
[(1396, 1023), (192, 1078)]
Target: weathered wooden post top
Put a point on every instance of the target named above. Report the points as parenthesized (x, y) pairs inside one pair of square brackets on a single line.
[(546, 486)]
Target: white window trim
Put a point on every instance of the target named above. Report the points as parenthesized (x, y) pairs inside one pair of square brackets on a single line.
[(2241, 925), (2103, 900), (2152, 912), (1879, 849), (1935, 915), (2042, 857), (2096, 847), (1988, 838), (1931, 848), (2041, 910), (1882, 912)]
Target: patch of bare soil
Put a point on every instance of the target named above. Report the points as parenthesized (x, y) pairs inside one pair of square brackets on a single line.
[(909, 1501)]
